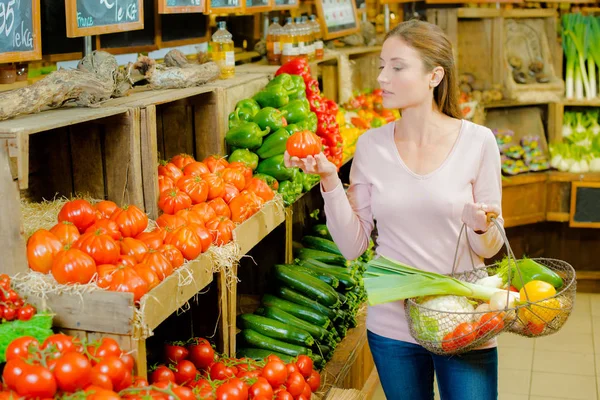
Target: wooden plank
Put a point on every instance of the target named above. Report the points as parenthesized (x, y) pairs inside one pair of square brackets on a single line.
[(209, 124), (476, 37), (497, 50), (555, 46), (149, 159), (524, 204), (371, 384), (558, 217), (171, 294), (478, 12), (223, 323), (22, 154), (123, 163), (13, 251), (86, 159), (555, 121), (53, 119), (177, 118), (581, 103), (330, 83), (529, 13), (97, 311), (289, 223), (524, 179), (557, 176), (257, 227), (231, 314)]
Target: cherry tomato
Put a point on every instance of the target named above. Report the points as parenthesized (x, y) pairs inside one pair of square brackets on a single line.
[(9, 313), (185, 372), (73, 372), (25, 313), (162, 374), (36, 382), (21, 347), (275, 372), (305, 365), (175, 353), (201, 354)]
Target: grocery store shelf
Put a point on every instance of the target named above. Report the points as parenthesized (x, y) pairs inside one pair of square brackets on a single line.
[(511, 103), (581, 103)]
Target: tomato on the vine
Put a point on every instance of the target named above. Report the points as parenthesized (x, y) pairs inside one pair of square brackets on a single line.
[(261, 387), (295, 384), (162, 374), (219, 371), (20, 348), (201, 353), (175, 353), (314, 381), (26, 312), (305, 365), (72, 372), (185, 372), (276, 373), (36, 382)]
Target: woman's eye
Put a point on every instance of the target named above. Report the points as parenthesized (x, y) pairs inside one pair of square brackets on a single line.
[(397, 68)]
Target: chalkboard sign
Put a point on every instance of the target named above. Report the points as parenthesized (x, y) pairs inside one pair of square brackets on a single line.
[(337, 17), (585, 205), (134, 41), (286, 4), (225, 6), (20, 38), (54, 30), (253, 6), (180, 29), (180, 6), (86, 17)]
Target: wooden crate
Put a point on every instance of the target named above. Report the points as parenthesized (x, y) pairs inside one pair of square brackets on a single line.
[(524, 199), (559, 193), (192, 121)]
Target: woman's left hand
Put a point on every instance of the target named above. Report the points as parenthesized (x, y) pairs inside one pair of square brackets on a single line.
[(475, 215)]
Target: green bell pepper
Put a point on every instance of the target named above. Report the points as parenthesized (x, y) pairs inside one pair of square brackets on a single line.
[(309, 123), (286, 81), (274, 144), (291, 128), (271, 118), (289, 192), (244, 156), (298, 82), (244, 112), (247, 135), (296, 111), (272, 182), (309, 180), (275, 167), (274, 96)]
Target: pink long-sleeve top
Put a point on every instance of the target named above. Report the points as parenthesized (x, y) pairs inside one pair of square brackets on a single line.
[(418, 216)]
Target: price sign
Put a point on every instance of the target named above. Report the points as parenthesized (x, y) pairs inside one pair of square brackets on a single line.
[(253, 6), (20, 38), (86, 17), (286, 4), (180, 6), (337, 17)]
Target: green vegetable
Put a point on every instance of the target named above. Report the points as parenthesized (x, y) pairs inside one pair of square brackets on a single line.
[(39, 326), (275, 167), (246, 135), (317, 243), (320, 274), (280, 315), (323, 256), (289, 191), (342, 274), (529, 271), (307, 285), (309, 181), (296, 310), (291, 295), (275, 329), (244, 111), (255, 339), (296, 111), (274, 144), (269, 117), (261, 354), (322, 231), (244, 156), (309, 123), (291, 128), (272, 182), (273, 96)]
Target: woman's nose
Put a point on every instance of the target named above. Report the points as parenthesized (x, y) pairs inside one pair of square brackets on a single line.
[(382, 76)]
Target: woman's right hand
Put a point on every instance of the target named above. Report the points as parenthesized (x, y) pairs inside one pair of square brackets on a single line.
[(317, 164)]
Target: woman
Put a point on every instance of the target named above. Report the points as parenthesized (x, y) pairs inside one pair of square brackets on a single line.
[(419, 178)]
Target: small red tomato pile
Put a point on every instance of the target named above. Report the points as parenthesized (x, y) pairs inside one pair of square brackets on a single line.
[(12, 306), (195, 365), (202, 201)]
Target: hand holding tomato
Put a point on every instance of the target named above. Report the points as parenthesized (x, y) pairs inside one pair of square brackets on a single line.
[(317, 164)]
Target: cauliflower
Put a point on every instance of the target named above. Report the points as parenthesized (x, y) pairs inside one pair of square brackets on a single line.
[(447, 304)]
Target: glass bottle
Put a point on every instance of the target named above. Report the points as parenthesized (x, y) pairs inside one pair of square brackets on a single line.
[(223, 50), (274, 42), (301, 33), (310, 39), (288, 37), (316, 29)]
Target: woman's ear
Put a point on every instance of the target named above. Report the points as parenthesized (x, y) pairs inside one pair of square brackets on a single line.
[(436, 76)]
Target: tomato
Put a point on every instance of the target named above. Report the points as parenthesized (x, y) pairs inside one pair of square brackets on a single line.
[(107, 347), (98, 393), (124, 261), (106, 227), (205, 212), (184, 393), (114, 368), (169, 221), (138, 381), (13, 369), (153, 240), (9, 313), (185, 372), (174, 353), (273, 357), (42, 247), (125, 382), (261, 388), (126, 279), (66, 232), (36, 381), (164, 183), (306, 392), (159, 263), (21, 347), (181, 160), (101, 380), (221, 230), (230, 391), (234, 176), (134, 247), (243, 207), (490, 322), (216, 185), (220, 206), (79, 212), (261, 188), (241, 385), (201, 353), (215, 163), (61, 343), (275, 372), (102, 248), (105, 208), (72, 372), (246, 170), (463, 335), (230, 192), (9, 395), (73, 266), (283, 395), (295, 384), (170, 171), (26, 312), (195, 187), (314, 381), (249, 375), (305, 365), (535, 329), (4, 282), (186, 241), (195, 169), (128, 360), (172, 254), (302, 144), (173, 200), (190, 217), (131, 220), (291, 367), (219, 371), (148, 275), (162, 374)]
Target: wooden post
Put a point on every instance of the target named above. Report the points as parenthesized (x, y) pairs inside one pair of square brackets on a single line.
[(149, 147), (555, 121), (330, 83), (14, 258)]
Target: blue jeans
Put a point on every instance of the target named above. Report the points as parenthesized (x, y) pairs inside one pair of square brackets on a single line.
[(406, 371)]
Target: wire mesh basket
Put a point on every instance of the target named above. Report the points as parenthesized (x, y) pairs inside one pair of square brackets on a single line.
[(453, 332)]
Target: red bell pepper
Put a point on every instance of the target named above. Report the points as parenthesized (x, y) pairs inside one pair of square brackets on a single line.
[(332, 107), (316, 104), (312, 88), (296, 66)]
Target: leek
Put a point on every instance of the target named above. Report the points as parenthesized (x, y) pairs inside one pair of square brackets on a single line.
[(407, 282), (570, 53), (594, 45), (580, 38)]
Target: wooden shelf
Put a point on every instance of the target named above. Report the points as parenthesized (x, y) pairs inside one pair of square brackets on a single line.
[(557, 176), (511, 103), (581, 103), (468, 12)]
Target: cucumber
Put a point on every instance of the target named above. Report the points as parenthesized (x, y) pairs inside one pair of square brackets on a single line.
[(305, 313), (307, 285), (324, 276), (282, 316), (276, 330), (342, 274), (295, 297), (261, 354), (255, 339), (318, 243), (319, 255), (322, 349), (321, 230)]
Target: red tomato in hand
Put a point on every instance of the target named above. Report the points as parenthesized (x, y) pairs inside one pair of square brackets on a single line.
[(302, 144)]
